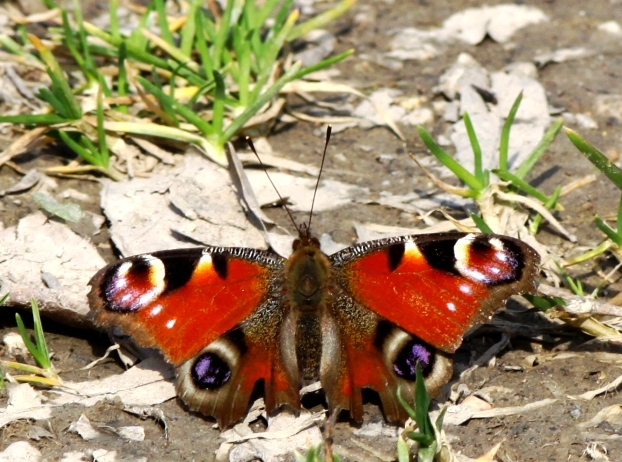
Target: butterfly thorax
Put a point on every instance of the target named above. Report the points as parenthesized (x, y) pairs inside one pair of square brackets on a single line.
[(307, 273), (307, 276)]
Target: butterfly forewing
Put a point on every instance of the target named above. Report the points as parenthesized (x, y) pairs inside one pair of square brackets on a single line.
[(181, 300), (436, 286)]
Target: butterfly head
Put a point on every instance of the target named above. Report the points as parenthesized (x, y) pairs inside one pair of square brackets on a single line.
[(305, 239)]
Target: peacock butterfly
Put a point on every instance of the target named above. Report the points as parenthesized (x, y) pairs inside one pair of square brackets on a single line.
[(227, 318)]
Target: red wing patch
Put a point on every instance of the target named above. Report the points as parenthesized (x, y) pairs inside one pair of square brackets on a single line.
[(180, 301)]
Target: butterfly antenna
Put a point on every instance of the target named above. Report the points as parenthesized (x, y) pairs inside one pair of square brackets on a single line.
[(249, 141), (329, 129)]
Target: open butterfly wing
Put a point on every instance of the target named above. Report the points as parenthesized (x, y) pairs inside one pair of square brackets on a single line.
[(408, 300), (213, 312)]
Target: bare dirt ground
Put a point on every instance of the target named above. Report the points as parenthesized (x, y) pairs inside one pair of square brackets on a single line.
[(568, 362)]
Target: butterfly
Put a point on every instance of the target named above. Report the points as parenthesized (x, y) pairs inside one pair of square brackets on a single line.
[(228, 318)]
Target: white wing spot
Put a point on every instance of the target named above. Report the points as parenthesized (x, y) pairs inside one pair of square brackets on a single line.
[(120, 280), (205, 261), (155, 310), (411, 250), (462, 248), (171, 323), (462, 251), (465, 289), (501, 253), (497, 244), (156, 271), (451, 306)]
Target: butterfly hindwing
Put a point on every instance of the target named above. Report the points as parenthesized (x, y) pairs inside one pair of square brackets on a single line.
[(375, 353), (220, 379)]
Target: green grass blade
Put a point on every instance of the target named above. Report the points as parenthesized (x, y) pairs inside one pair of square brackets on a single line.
[(280, 19), (477, 150), (32, 348), (481, 224), (504, 144), (101, 133), (258, 18), (319, 21), (522, 185), (114, 19), (243, 50), (266, 61), (251, 110), (221, 37), (618, 220), (63, 93), (70, 42), (139, 54), (574, 284), (208, 26), (463, 174), (77, 148), (166, 104), (608, 231), (403, 454), (4, 298), (422, 404), (15, 48), (189, 31), (544, 302), (525, 167), (534, 226), (596, 157), (599, 250), (322, 64), (409, 410), (42, 347), (162, 19), (90, 70), (34, 119), (58, 106), (218, 112), (122, 82), (137, 40), (177, 107), (202, 44)]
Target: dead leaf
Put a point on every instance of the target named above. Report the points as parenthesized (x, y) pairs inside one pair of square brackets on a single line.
[(331, 194), (38, 245), (611, 414), (146, 384), (497, 412), (563, 54), (21, 451), (285, 434), (500, 22), (84, 428), (589, 395), (24, 403), (197, 201)]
